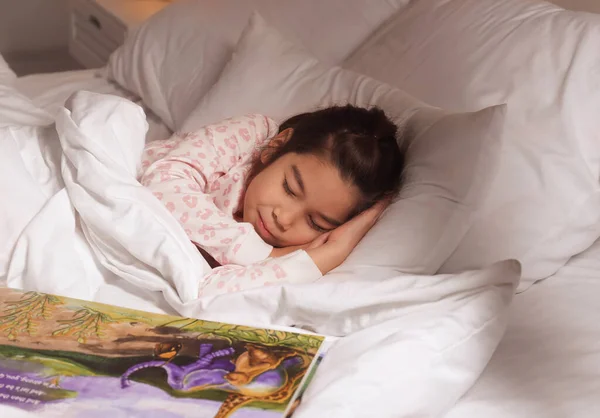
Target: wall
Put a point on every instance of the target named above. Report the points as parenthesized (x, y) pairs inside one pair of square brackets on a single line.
[(585, 5), (33, 25)]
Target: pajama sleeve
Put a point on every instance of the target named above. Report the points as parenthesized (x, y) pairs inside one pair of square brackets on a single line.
[(187, 167), (296, 267)]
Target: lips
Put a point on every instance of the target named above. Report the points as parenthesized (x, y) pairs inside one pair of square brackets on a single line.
[(262, 227)]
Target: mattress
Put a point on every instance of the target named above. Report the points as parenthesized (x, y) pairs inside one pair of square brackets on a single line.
[(51, 90), (548, 363)]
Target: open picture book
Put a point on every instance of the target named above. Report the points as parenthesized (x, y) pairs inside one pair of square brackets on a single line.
[(71, 358)]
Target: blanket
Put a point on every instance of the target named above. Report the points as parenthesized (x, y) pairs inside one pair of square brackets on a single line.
[(77, 223)]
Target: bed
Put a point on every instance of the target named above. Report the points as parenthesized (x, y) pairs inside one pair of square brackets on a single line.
[(547, 362), (464, 350)]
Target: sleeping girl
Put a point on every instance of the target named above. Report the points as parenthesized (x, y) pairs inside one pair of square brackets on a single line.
[(268, 204)]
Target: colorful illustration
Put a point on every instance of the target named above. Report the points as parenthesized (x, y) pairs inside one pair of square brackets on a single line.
[(77, 359)]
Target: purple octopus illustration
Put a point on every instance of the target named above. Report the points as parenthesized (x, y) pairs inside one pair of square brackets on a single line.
[(257, 374)]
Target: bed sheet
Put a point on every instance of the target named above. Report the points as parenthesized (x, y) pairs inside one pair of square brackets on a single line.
[(50, 91), (548, 363)]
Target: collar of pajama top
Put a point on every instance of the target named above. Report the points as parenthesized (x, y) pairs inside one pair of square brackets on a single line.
[(200, 177)]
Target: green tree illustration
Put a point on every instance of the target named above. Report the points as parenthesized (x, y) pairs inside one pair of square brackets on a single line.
[(23, 316), (231, 333), (85, 323)]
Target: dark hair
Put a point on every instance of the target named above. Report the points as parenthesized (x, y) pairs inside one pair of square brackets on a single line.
[(361, 143)]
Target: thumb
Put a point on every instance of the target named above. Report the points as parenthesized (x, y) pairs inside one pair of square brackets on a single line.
[(374, 212), (381, 206), (371, 215)]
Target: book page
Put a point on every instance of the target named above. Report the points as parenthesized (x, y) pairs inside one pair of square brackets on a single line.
[(72, 358)]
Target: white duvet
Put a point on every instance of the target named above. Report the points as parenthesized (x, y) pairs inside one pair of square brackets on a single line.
[(75, 222)]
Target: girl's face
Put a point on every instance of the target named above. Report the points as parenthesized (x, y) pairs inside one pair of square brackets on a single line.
[(297, 198)]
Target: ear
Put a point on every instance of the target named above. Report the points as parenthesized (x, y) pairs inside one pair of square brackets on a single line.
[(275, 143)]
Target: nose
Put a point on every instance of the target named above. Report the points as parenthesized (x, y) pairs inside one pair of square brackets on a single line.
[(285, 217)]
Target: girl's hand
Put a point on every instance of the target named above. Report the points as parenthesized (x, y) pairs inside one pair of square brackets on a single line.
[(280, 252), (330, 250)]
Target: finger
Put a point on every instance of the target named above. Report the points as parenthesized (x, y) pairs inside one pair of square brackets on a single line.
[(364, 221), (371, 214), (357, 227), (375, 211), (382, 205)]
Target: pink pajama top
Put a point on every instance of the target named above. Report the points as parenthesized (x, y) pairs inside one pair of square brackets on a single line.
[(200, 178)]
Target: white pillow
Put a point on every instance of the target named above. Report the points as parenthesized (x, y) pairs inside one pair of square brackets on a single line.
[(419, 363), (174, 57), (449, 164), (544, 205), (49, 91)]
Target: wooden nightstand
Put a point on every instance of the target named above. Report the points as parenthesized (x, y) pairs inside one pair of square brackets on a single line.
[(98, 27)]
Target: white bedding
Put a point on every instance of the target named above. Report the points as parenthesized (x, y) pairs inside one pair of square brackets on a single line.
[(49, 91), (83, 227), (548, 363)]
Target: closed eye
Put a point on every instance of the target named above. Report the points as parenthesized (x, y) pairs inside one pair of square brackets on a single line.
[(287, 189), (316, 227)]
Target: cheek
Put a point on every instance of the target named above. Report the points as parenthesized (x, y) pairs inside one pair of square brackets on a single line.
[(249, 202), (301, 234), (254, 197), (263, 190)]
